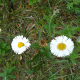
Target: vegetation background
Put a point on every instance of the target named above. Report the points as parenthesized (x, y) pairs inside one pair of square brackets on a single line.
[(39, 21)]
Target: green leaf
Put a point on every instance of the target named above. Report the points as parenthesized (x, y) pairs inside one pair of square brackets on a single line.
[(60, 61), (3, 45), (47, 17), (49, 26), (52, 26), (3, 52), (2, 74), (32, 2), (7, 48), (75, 54), (50, 73), (13, 1), (47, 53), (30, 71), (73, 28), (5, 79), (70, 5), (10, 69), (76, 1), (72, 60), (11, 76), (5, 70)]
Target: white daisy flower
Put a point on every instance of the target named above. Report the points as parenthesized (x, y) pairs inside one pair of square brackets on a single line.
[(20, 44), (61, 46)]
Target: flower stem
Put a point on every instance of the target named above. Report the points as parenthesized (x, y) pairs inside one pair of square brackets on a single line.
[(50, 23)]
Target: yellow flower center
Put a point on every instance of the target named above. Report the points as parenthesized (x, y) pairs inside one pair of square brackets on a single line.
[(61, 46), (20, 44)]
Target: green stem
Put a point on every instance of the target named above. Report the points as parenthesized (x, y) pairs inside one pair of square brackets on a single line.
[(52, 17), (50, 23)]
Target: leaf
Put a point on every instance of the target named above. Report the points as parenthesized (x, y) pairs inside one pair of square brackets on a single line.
[(11, 76), (77, 10), (47, 53), (60, 61), (72, 60), (5, 70), (5, 79), (47, 17), (32, 2), (2, 74), (50, 73), (30, 71), (49, 26), (10, 69), (67, 30), (7, 48), (70, 5), (75, 54), (73, 28), (3, 45), (13, 1), (76, 1), (52, 26), (3, 52)]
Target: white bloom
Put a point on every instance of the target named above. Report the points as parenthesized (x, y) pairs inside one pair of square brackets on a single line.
[(61, 46), (20, 44)]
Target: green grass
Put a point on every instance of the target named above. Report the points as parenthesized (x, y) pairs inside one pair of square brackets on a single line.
[(36, 20)]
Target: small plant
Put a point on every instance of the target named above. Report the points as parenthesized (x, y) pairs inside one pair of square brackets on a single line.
[(75, 54), (49, 27), (4, 48), (73, 6), (68, 30), (7, 72)]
